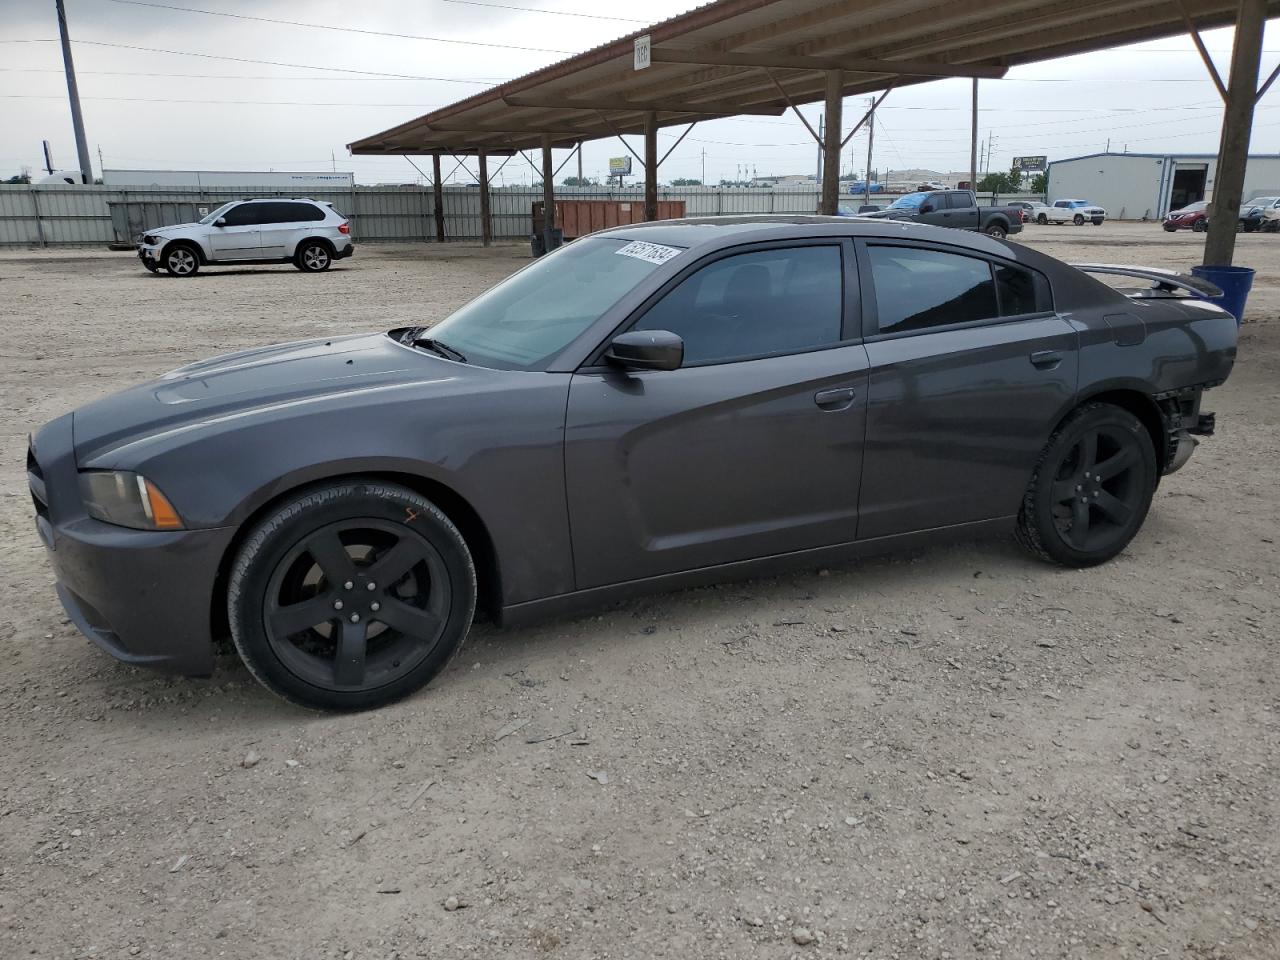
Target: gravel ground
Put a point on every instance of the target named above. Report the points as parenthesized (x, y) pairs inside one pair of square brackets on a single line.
[(953, 753)]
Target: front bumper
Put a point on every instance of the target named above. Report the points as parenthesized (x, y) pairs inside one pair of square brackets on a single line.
[(145, 597)]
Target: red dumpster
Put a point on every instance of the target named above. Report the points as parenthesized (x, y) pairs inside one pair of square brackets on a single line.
[(577, 218)]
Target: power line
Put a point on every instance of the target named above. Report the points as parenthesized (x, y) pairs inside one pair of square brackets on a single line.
[(241, 76), (271, 63), (326, 26), (557, 13), (254, 103)]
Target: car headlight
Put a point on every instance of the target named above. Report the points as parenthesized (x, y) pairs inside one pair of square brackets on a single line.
[(150, 240), (127, 500)]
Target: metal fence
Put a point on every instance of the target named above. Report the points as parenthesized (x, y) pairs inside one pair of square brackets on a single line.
[(97, 215)]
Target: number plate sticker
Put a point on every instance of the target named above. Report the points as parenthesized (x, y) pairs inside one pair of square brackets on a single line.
[(652, 252)]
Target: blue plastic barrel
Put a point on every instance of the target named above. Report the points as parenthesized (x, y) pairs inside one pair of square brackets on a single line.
[(1234, 282)]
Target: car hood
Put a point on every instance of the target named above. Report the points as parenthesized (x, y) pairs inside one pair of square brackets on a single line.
[(175, 228), (241, 383)]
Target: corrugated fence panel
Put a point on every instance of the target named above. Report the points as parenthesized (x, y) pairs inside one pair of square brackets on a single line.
[(68, 215)]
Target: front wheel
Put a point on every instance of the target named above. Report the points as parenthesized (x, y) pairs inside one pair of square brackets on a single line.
[(351, 596), (1091, 488), (313, 257), (1078, 219), (181, 260), (997, 231)]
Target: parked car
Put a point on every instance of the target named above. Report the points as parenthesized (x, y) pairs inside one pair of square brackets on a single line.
[(1076, 211), (848, 210), (1033, 211), (1194, 216), (1250, 219), (953, 208), (651, 406), (310, 234)]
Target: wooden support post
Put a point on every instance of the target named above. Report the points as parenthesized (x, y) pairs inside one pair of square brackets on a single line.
[(973, 141), (486, 223), (650, 166), (1237, 120), (438, 190), (548, 197), (831, 145)]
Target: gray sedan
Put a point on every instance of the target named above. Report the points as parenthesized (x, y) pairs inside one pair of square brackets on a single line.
[(649, 407)]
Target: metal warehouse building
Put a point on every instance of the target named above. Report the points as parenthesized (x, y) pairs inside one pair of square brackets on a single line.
[(1135, 185)]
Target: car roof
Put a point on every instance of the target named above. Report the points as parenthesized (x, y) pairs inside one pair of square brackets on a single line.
[(709, 233)]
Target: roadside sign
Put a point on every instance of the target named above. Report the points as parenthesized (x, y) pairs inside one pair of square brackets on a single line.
[(644, 49), (619, 166), (1030, 164)]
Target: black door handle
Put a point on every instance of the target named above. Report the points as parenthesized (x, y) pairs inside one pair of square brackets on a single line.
[(837, 398), (1046, 359)]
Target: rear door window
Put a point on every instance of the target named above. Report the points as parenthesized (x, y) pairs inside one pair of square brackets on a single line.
[(1021, 291), (245, 214), (918, 288)]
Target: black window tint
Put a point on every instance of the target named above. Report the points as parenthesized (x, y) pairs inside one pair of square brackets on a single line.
[(300, 212), (771, 301), (959, 201), (1021, 291), (244, 214), (917, 289)]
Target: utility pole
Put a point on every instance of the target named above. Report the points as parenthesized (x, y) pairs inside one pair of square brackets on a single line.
[(73, 94), (821, 131), (871, 135), (704, 166)]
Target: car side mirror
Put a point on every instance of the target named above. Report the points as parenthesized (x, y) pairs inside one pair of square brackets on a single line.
[(646, 350), (220, 222), (926, 208)]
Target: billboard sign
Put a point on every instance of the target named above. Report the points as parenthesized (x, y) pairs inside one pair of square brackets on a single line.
[(1030, 164), (619, 166)]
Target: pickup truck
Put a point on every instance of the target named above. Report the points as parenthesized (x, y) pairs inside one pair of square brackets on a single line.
[(953, 208)]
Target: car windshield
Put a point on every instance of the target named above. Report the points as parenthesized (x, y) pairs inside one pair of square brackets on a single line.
[(537, 312), (217, 213), (911, 201), (1195, 207)]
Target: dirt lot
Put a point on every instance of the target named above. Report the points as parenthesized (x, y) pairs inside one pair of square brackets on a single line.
[(956, 753)]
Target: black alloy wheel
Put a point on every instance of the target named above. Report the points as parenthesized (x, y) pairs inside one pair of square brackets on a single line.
[(1092, 488), (351, 596)]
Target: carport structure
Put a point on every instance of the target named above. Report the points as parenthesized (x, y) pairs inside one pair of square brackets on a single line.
[(745, 57)]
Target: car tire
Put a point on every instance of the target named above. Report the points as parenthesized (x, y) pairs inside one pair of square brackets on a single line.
[(1097, 223), (997, 231), (313, 256), (1042, 220), (1091, 488), (1078, 219), (1170, 228), (1200, 226), (151, 265), (181, 260), (299, 593)]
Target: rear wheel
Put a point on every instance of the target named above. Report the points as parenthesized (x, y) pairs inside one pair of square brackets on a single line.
[(997, 231), (313, 256), (1042, 220), (181, 260), (1091, 488), (1078, 219), (351, 596)]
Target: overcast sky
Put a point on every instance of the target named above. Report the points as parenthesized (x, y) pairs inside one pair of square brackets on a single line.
[(146, 109)]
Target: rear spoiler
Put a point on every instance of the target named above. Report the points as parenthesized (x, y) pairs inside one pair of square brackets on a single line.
[(1164, 280)]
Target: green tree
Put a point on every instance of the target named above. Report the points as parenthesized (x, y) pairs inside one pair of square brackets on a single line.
[(579, 182), (1040, 183), (1013, 182), (993, 183)]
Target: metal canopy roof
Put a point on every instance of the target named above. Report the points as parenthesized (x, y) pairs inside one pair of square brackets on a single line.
[(739, 57)]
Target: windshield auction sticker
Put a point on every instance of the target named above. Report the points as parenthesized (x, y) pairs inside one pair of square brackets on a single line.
[(651, 252)]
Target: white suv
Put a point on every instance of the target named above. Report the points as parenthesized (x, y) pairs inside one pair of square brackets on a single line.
[(310, 234)]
